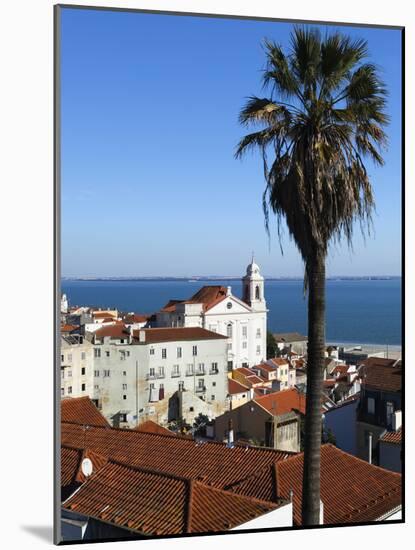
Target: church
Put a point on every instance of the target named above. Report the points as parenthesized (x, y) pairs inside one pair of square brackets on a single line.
[(215, 308)]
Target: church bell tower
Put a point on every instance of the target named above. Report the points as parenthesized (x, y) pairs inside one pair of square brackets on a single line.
[(253, 287)]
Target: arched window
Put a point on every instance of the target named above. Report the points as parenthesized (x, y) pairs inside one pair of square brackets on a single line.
[(257, 293), (229, 330)]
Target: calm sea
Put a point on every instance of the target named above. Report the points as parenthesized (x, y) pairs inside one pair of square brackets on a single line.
[(358, 311)]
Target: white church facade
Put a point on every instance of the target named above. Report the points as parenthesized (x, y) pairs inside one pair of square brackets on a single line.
[(215, 308)]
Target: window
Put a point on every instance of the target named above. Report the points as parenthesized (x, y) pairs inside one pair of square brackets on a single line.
[(244, 331), (83, 370), (213, 384), (96, 373), (230, 365), (83, 356), (190, 369), (107, 353), (389, 412), (106, 373), (201, 383), (258, 333), (151, 351), (229, 330), (62, 373), (370, 405), (212, 398), (83, 387), (124, 386), (96, 387), (229, 347), (62, 358), (244, 345), (176, 370), (124, 373), (258, 350), (127, 353), (164, 353), (181, 386), (123, 417), (97, 352), (160, 372), (69, 357), (214, 368), (194, 351), (191, 409), (152, 372), (62, 391), (201, 368), (179, 353), (124, 397), (69, 374), (69, 389), (257, 297)]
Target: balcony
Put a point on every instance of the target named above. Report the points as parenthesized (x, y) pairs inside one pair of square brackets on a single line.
[(214, 371), (200, 372), (200, 389), (190, 373), (175, 374), (150, 376)]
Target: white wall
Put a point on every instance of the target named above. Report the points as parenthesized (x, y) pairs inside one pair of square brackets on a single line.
[(281, 517)]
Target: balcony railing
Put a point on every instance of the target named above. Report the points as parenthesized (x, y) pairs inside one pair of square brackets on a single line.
[(155, 376), (200, 372), (190, 373), (175, 374), (214, 371), (200, 389)]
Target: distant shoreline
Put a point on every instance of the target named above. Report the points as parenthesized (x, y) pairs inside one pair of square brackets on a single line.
[(196, 279)]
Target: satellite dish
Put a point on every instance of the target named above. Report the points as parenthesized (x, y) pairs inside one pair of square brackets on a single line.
[(86, 467)]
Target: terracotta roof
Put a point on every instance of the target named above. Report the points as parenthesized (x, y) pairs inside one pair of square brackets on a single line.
[(214, 462), (104, 314), (379, 361), (394, 437), (152, 427), (340, 369), (130, 318), (265, 367), (171, 306), (154, 503), (209, 296), (235, 387), (167, 334), (81, 410), (117, 331), (377, 376), (352, 490), (330, 383), (68, 328), (279, 361), (283, 402), (71, 460)]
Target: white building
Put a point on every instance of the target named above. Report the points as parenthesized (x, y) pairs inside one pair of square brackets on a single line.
[(64, 304), (215, 308), (135, 375)]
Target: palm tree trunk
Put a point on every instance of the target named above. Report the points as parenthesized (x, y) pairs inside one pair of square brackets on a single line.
[(316, 272)]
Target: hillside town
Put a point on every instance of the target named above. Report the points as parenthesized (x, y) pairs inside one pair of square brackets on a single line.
[(190, 419)]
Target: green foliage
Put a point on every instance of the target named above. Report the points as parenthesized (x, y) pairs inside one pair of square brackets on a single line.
[(272, 347)]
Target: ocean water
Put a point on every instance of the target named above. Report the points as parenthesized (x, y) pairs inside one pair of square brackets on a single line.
[(358, 311)]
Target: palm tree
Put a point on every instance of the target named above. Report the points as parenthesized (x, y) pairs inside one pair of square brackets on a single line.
[(325, 113)]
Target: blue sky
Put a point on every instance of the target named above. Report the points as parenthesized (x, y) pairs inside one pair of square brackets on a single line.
[(150, 185)]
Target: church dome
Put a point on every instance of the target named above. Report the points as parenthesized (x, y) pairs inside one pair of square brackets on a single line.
[(253, 268)]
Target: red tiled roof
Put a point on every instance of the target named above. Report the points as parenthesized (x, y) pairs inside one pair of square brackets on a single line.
[(68, 328), (352, 490), (209, 296), (265, 367), (279, 361), (171, 306), (71, 460), (155, 503), (394, 437), (135, 318), (283, 402), (167, 334), (118, 331), (152, 427), (235, 387), (341, 369), (377, 376), (213, 461), (81, 410), (104, 314)]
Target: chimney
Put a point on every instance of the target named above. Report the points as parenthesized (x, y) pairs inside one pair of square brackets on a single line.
[(230, 435), (321, 512), (228, 291), (142, 336), (396, 420), (370, 447), (251, 393), (130, 334)]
